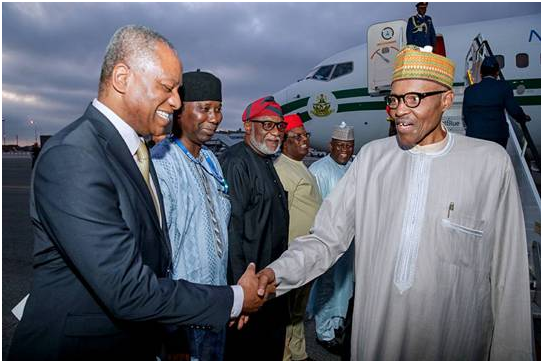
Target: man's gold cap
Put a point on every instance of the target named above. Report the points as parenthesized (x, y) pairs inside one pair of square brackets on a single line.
[(413, 62)]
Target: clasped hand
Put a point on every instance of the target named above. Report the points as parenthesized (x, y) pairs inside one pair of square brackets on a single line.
[(257, 288)]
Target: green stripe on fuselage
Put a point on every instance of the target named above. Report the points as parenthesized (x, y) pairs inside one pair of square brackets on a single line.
[(352, 107), (350, 93), (380, 105), (528, 83), (529, 100), (294, 105)]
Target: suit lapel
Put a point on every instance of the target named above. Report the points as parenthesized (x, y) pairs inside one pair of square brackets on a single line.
[(118, 150)]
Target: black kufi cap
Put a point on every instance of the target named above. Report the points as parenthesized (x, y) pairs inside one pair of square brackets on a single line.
[(200, 86)]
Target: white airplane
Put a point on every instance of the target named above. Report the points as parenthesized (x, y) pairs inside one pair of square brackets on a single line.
[(338, 89)]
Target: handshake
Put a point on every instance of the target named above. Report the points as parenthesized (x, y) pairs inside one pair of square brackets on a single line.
[(258, 288)]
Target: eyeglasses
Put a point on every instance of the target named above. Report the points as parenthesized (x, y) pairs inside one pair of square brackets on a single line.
[(268, 125), (412, 100), (298, 137)]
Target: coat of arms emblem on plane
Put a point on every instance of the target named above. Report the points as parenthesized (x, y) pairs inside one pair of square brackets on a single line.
[(322, 105)]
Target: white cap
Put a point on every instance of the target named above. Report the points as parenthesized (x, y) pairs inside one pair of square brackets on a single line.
[(343, 132)]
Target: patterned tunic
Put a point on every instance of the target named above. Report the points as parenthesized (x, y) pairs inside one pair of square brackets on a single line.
[(197, 213)]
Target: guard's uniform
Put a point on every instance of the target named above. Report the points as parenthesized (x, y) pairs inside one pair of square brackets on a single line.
[(420, 31)]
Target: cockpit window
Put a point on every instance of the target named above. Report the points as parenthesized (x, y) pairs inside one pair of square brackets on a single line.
[(323, 73), (329, 72), (342, 69)]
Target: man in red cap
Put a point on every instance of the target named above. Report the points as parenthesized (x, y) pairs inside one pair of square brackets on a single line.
[(303, 201), (258, 227)]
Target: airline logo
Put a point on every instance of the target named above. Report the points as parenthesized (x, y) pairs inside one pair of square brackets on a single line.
[(534, 35), (322, 104)]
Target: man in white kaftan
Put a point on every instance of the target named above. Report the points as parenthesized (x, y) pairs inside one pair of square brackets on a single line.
[(332, 290), (440, 247)]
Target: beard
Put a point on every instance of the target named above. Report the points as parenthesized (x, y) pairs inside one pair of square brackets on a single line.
[(262, 146)]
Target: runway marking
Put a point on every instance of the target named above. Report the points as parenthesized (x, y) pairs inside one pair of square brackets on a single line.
[(15, 187)]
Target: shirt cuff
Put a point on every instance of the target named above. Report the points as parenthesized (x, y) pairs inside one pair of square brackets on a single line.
[(238, 300)]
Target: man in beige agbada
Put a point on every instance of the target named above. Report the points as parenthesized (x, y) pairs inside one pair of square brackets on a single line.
[(303, 201), (440, 247)]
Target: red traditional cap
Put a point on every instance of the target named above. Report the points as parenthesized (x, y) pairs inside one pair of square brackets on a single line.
[(293, 121), (262, 107)]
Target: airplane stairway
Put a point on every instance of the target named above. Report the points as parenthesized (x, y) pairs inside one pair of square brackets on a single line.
[(520, 144)]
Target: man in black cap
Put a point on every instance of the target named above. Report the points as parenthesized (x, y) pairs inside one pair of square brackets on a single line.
[(420, 30), (485, 104), (196, 203)]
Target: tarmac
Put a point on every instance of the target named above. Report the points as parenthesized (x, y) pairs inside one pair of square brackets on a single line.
[(17, 247)]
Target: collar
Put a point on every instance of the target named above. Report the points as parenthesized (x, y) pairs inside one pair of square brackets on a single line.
[(253, 151), (127, 133), (336, 163), (435, 149), (292, 160)]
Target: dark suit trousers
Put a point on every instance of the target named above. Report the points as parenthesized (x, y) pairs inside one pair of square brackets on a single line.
[(263, 338)]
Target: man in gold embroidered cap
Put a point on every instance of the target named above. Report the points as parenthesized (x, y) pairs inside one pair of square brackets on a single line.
[(441, 266)]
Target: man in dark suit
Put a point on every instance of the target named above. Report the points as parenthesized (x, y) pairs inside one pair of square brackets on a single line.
[(102, 288), (485, 104)]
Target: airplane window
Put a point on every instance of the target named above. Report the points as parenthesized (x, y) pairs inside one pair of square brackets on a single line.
[(342, 69), (323, 72), (501, 61), (522, 60)]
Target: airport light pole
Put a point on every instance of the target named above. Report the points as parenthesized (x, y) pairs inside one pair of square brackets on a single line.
[(33, 123)]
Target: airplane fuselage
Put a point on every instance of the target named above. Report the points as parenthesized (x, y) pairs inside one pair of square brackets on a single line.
[(346, 98)]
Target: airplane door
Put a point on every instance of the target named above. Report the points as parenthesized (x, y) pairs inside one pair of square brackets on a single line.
[(384, 41)]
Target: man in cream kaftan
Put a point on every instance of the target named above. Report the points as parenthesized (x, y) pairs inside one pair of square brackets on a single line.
[(467, 297), (303, 201), (440, 246)]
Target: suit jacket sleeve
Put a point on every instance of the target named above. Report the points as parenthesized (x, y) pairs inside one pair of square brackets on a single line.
[(432, 33), (465, 106), (78, 205), (511, 105), (409, 31)]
